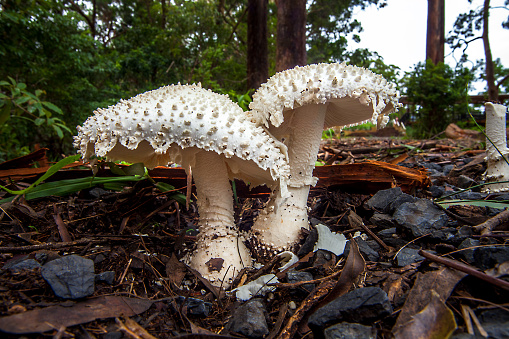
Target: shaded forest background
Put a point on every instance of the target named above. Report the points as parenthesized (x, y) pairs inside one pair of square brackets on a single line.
[(61, 59)]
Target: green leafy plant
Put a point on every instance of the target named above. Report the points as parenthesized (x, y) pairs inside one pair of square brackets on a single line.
[(17, 102), (243, 100), (328, 134), (440, 95)]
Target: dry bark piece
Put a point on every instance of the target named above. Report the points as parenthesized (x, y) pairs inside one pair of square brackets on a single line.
[(202, 130), (296, 105), (374, 176)]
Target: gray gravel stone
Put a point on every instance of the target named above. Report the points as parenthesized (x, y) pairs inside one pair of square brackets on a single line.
[(398, 201), (362, 305), (420, 218), (465, 182), (488, 256), (349, 331), (21, 265), (367, 252), (382, 199), (196, 307), (296, 276), (70, 277), (468, 254), (249, 319), (408, 256), (382, 220)]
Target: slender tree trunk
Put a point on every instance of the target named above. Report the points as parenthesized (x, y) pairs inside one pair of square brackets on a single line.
[(435, 36), (163, 14), (257, 50), (490, 72), (291, 34)]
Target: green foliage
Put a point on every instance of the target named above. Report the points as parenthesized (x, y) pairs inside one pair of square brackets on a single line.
[(367, 126), (90, 54), (328, 134), (373, 61), (440, 93), (329, 22), (468, 28), (243, 100), (21, 110), (17, 102)]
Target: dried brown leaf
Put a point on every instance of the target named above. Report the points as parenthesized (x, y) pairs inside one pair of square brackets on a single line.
[(435, 321), (175, 270), (441, 281), (132, 329), (354, 267), (53, 317)]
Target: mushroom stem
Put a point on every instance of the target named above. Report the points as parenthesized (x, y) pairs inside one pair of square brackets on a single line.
[(218, 239), (496, 148), (301, 132)]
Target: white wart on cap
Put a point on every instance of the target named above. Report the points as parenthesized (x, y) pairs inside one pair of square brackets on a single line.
[(296, 105), (206, 131)]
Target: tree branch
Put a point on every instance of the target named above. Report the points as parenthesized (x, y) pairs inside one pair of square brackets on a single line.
[(90, 21)]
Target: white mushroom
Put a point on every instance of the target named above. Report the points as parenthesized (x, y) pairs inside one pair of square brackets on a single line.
[(296, 105), (207, 132), (496, 148)]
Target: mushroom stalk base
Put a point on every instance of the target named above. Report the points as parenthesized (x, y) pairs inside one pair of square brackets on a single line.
[(498, 169), (279, 225), (220, 253)]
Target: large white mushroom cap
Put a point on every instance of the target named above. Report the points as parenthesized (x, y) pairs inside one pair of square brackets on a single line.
[(173, 123), (354, 95), (296, 105), (206, 131)]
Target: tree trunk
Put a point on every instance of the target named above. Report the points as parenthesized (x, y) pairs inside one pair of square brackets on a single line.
[(163, 14), (490, 72), (291, 34), (435, 36), (257, 50)]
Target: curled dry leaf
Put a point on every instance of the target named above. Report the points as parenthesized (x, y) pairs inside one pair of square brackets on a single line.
[(441, 282), (435, 321)]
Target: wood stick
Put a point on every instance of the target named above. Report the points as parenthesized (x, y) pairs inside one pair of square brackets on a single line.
[(466, 268), (488, 226)]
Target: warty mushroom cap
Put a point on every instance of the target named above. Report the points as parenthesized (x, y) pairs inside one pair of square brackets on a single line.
[(354, 95), (296, 105), (172, 123), (206, 131)]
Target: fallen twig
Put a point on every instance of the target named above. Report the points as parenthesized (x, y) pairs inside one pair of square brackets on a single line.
[(300, 283), (488, 226), (466, 268), (50, 245)]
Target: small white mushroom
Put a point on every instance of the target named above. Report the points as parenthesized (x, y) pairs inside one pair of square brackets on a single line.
[(213, 152), (496, 148), (296, 105)]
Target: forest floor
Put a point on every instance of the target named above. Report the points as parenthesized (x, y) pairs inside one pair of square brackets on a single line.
[(139, 233)]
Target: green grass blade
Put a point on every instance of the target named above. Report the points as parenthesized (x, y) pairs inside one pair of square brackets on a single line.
[(67, 186), (52, 170), (481, 203)]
